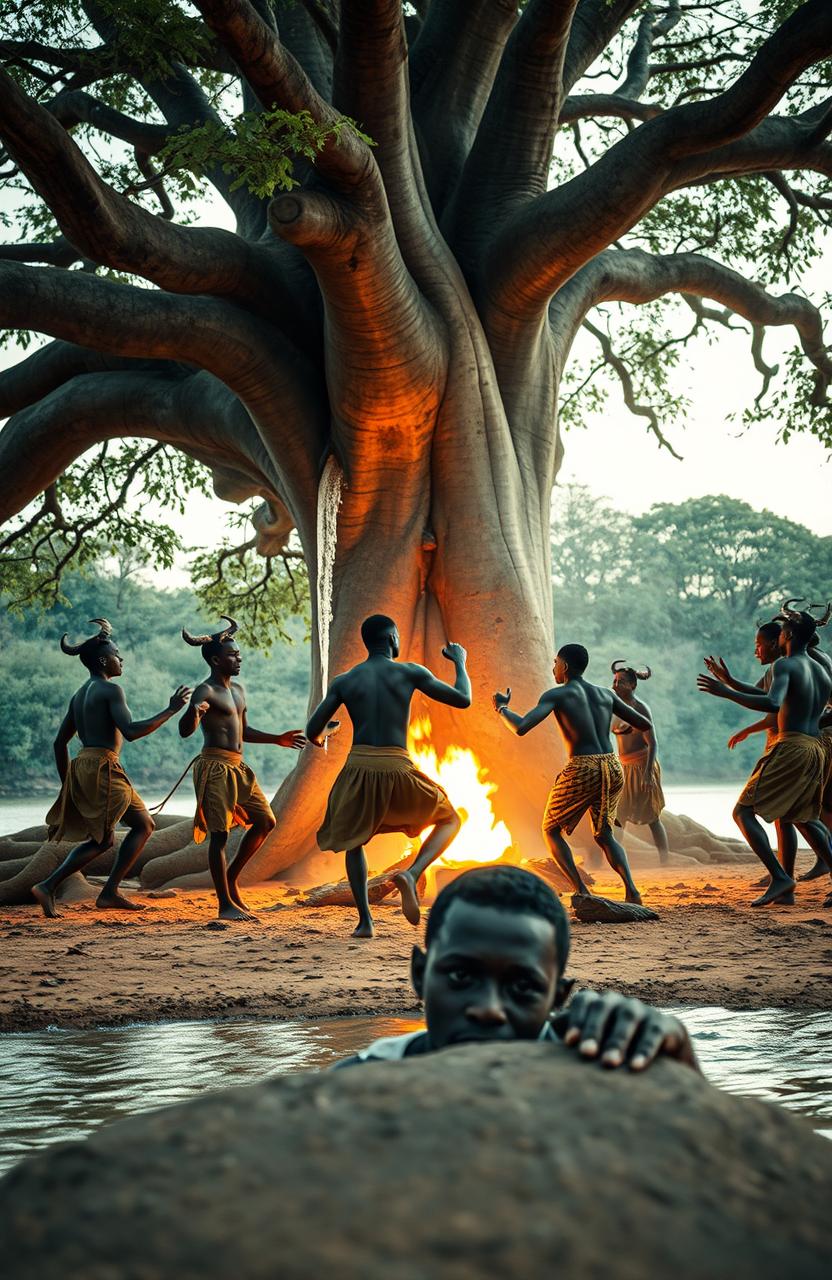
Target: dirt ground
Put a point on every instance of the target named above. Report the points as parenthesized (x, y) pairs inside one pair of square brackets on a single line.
[(172, 961)]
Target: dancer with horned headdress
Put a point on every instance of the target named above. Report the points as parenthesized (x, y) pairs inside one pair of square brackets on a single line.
[(642, 800), (227, 791), (787, 781), (95, 791)]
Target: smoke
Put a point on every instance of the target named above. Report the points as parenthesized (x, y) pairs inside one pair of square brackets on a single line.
[(329, 500)]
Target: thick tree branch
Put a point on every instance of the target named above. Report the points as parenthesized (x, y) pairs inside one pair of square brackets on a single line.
[(452, 69), (56, 363), (638, 277), (76, 106), (57, 253), (107, 227), (511, 154), (39, 443), (548, 240), (582, 106), (277, 79)]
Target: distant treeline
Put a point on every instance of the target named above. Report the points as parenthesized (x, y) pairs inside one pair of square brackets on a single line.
[(666, 588), (662, 590)]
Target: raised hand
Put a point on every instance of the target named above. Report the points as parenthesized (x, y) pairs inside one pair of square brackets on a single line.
[(201, 708), (293, 738), (706, 684), (501, 699), (736, 739), (455, 653), (616, 1030), (179, 698), (718, 669)]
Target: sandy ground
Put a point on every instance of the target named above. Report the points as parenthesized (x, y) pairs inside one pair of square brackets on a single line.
[(171, 961)]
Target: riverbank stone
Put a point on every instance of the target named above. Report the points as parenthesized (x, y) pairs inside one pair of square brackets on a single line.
[(475, 1162)]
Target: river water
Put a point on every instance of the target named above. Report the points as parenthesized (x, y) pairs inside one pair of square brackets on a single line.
[(59, 1085), (710, 805)]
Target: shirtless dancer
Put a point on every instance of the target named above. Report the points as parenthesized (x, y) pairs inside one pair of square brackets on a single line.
[(766, 651), (592, 778), (95, 791), (227, 791), (787, 781), (379, 788), (642, 799)]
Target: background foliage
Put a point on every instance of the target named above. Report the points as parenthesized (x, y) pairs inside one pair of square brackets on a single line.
[(663, 588)]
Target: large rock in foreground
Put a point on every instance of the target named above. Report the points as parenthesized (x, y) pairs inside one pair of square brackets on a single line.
[(477, 1162)]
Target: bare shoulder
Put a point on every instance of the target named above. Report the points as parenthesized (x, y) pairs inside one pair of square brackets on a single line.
[(643, 707), (202, 692), (113, 692), (238, 691)]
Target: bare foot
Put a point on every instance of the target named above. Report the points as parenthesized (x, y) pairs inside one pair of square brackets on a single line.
[(633, 895), (46, 900), (364, 929), (116, 902), (782, 887), (233, 912), (410, 903), (816, 872), (787, 900), (234, 895)]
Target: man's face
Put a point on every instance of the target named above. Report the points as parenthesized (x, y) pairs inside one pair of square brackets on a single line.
[(488, 976), (622, 684), (228, 663), (112, 663), (560, 670), (766, 649)]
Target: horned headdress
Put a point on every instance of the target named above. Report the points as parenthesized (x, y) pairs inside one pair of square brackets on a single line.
[(788, 614), (621, 665), (227, 633), (102, 635)]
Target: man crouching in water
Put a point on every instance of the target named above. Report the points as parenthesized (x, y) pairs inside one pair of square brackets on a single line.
[(95, 791), (592, 779), (227, 791), (379, 788), (496, 948)]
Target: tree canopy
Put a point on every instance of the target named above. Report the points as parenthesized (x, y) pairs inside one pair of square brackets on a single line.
[(579, 155)]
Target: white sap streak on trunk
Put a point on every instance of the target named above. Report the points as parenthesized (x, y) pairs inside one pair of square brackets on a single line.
[(329, 500)]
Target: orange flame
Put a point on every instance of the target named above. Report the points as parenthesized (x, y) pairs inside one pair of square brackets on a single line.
[(481, 837)]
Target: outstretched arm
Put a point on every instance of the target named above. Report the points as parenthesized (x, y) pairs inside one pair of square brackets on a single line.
[(62, 740), (756, 701), (633, 717), (719, 670), (132, 729), (759, 726), (321, 718), (520, 725), (292, 738), (457, 694)]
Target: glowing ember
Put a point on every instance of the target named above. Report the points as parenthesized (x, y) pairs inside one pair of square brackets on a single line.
[(481, 838)]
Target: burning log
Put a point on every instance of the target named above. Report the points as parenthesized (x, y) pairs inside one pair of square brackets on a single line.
[(592, 910), (339, 894)]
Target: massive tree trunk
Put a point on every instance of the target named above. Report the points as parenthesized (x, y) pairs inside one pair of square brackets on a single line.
[(408, 310)]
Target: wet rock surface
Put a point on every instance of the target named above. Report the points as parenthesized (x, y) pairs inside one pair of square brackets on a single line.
[(481, 1161)]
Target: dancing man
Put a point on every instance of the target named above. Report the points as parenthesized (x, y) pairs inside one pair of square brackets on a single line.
[(592, 779), (227, 791), (379, 788), (642, 799), (787, 781), (95, 791), (766, 651)]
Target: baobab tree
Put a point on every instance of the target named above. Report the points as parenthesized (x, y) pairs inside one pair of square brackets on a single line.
[(431, 201)]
